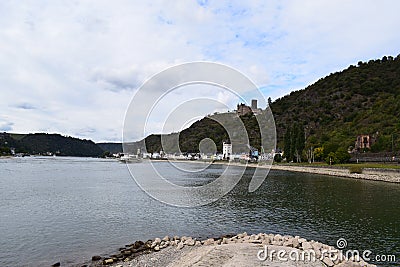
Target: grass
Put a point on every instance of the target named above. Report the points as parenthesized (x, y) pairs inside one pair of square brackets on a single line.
[(372, 165), (347, 165), (355, 169)]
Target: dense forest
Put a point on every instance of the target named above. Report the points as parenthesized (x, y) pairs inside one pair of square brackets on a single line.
[(362, 99), (46, 144)]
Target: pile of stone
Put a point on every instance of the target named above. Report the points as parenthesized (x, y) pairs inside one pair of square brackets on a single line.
[(321, 250)]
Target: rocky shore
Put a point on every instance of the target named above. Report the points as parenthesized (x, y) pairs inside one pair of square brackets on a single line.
[(374, 174), (231, 250), (385, 175)]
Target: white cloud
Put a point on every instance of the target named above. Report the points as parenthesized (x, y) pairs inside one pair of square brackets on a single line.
[(72, 67)]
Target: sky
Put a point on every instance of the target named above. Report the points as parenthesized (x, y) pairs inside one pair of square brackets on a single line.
[(72, 67)]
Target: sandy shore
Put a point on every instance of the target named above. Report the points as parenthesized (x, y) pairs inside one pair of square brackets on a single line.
[(386, 175), (239, 250)]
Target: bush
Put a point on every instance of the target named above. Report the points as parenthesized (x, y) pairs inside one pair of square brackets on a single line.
[(278, 158), (355, 169), (331, 158)]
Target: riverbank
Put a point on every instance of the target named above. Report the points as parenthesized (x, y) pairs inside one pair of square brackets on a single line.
[(385, 175), (376, 174), (238, 250)]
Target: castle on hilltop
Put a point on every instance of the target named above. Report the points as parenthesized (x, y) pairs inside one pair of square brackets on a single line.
[(243, 109)]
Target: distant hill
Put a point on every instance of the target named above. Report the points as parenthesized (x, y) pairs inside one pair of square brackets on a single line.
[(42, 143), (189, 138), (329, 114), (362, 99), (113, 148)]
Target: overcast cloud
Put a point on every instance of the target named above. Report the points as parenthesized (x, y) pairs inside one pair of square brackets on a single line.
[(72, 67)]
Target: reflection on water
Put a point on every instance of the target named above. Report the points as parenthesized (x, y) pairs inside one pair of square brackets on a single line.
[(68, 209)]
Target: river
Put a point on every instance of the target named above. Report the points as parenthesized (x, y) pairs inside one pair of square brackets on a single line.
[(69, 209)]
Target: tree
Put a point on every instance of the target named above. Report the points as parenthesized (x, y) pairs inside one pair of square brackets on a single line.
[(342, 155), (278, 158), (269, 101), (319, 153), (300, 142), (287, 147), (294, 143), (331, 158)]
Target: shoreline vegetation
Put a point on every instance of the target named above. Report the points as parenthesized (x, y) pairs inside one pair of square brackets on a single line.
[(228, 250)]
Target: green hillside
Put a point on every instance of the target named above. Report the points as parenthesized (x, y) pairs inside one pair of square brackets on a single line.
[(189, 139), (362, 99), (42, 143)]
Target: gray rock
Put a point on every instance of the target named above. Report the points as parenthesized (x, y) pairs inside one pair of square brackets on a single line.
[(306, 245), (190, 242), (302, 240), (328, 262), (209, 242), (108, 261), (127, 252), (278, 237), (295, 243), (288, 243), (180, 245), (217, 242), (96, 258), (316, 245), (266, 240), (157, 248), (166, 238)]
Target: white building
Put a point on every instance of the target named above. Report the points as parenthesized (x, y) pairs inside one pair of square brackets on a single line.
[(226, 150)]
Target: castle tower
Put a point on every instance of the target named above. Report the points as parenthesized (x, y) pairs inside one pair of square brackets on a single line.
[(254, 104)]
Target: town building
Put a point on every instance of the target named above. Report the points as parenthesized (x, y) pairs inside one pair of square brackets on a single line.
[(226, 150), (363, 141)]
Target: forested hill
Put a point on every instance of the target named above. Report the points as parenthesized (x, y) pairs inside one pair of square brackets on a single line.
[(362, 99), (42, 143), (329, 114)]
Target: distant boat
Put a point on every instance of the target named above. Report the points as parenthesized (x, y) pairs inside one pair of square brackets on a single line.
[(130, 159)]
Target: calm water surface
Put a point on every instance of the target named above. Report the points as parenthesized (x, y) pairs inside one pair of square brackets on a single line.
[(68, 209)]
